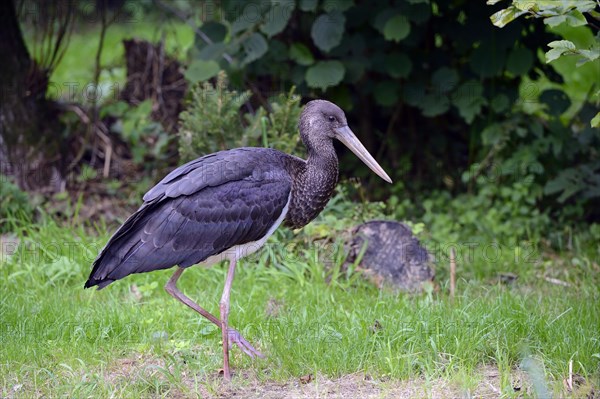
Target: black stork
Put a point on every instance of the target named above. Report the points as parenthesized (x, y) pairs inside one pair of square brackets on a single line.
[(224, 206)]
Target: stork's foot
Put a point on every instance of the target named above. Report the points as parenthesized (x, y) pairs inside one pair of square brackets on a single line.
[(236, 338)]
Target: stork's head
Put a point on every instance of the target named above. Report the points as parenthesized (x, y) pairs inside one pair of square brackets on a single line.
[(323, 120)]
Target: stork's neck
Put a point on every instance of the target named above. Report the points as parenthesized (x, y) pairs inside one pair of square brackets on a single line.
[(322, 157), (313, 185)]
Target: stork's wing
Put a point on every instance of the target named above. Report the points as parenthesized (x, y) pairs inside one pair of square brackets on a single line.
[(192, 214), (213, 170)]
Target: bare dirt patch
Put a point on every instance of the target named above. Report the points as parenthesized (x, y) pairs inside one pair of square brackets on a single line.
[(485, 383)]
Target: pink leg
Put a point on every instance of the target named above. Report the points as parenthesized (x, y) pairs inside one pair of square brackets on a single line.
[(232, 336), (172, 289), (224, 308)]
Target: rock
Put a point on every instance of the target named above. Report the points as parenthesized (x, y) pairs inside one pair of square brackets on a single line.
[(392, 255)]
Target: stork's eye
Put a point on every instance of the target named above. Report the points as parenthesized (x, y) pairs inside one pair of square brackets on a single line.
[(331, 118)]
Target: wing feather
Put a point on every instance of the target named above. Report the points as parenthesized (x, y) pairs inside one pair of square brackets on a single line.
[(210, 170), (191, 215)]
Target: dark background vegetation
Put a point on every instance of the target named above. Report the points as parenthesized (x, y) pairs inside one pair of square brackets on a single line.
[(468, 118)]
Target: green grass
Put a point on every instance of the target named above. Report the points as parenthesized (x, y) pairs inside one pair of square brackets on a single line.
[(76, 69), (58, 339)]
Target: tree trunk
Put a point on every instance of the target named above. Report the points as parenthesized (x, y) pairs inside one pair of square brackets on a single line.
[(26, 116)]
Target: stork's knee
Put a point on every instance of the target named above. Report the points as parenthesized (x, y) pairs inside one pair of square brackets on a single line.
[(170, 288), (224, 308)]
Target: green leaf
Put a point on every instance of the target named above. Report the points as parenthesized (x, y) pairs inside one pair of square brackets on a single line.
[(562, 44), (592, 54), (382, 17), (572, 18), (398, 65), (584, 5), (215, 31), (396, 28), (301, 54), (297, 76), (444, 80), (209, 43), (529, 5), (200, 70), (555, 20), (588, 56), (212, 51), (576, 18), (554, 7), (277, 17), (503, 17), (500, 103), (279, 52), (492, 134), (418, 13), (340, 5), (486, 61), (327, 30), (355, 68), (413, 93), (325, 74), (469, 100), (558, 48), (553, 54), (245, 21), (255, 46), (557, 101), (569, 181), (595, 122), (520, 61), (386, 93), (308, 5), (434, 104)]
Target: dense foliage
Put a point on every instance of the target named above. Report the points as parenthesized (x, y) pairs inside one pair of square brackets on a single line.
[(212, 122), (434, 88), (479, 112)]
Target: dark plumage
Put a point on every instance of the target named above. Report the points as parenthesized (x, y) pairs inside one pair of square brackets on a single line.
[(225, 205), (199, 210)]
